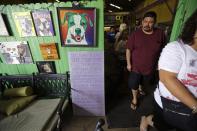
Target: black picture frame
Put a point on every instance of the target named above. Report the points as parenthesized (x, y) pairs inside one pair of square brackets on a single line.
[(73, 33), (4, 30), (43, 22), (46, 67)]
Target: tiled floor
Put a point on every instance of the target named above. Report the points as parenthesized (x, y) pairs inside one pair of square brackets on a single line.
[(78, 123)]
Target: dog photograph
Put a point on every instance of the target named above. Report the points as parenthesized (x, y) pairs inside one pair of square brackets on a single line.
[(24, 24), (77, 26), (16, 52), (43, 23), (46, 67)]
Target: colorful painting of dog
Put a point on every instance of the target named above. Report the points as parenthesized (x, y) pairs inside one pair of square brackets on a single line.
[(43, 23), (16, 52), (77, 26), (24, 24)]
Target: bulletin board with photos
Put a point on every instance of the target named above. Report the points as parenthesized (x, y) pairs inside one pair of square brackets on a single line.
[(34, 25)]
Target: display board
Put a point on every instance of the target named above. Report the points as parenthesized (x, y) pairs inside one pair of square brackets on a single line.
[(87, 82)]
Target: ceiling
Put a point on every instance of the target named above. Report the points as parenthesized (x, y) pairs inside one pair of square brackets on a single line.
[(126, 5)]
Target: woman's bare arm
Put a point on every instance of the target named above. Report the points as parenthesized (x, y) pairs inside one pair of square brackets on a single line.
[(177, 89)]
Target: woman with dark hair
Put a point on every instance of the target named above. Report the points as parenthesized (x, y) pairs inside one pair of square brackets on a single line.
[(176, 95)]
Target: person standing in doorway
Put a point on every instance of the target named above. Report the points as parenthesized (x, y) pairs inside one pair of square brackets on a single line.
[(122, 27), (143, 50)]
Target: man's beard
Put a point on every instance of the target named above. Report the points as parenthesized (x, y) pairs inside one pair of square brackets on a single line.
[(147, 29)]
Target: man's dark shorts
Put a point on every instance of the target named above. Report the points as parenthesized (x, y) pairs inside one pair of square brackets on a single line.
[(136, 79)]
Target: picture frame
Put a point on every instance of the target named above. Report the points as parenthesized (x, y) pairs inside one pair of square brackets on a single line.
[(24, 24), (16, 52), (49, 51), (3, 27), (43, 23), (46, 67), (77, 26)]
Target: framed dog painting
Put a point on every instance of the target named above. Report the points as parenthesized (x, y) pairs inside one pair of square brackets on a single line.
[(24, 24), (77, 26), (49, 51), (43, 23), (46, 67), (16, 52)]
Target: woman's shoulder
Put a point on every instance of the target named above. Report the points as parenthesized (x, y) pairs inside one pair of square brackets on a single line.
[(172, 45), (173, 48)]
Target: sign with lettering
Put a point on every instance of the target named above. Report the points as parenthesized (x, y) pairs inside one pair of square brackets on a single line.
[(87, 82)]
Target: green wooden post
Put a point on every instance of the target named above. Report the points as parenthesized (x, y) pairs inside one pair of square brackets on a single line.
[(184, 9)]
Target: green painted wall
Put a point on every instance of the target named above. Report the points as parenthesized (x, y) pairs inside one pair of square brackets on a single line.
[(184, 9), (62, 64)]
